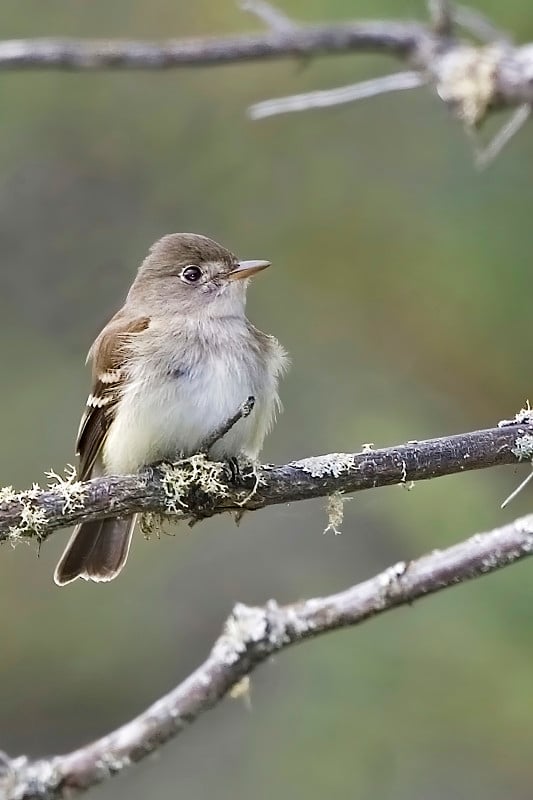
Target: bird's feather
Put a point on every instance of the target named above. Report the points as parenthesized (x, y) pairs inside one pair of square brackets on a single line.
[(109, 356)]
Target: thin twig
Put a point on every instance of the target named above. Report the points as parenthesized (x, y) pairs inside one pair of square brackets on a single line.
[(272, 17), (251, 635), (480, 26), (196, 488), (337, 96), (518, 489), (519, 117), (244, 410), (441, 14)]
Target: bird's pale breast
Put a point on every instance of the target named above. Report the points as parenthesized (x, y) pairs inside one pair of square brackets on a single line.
[(172, 402)]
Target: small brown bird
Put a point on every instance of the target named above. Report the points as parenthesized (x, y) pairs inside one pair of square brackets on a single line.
[(170, 367)]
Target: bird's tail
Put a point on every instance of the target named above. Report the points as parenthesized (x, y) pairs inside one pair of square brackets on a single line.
[(97, 551)]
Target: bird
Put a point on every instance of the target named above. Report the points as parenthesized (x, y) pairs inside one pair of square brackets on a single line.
[(170, 367)]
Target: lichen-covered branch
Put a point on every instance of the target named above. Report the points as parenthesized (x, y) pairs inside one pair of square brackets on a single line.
[(195, 488), (251, 635)]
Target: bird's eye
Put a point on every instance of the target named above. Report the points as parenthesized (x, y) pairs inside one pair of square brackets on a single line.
[(191, 274)]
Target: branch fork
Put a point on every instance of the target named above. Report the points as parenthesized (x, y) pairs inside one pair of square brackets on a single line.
[(475, 77)]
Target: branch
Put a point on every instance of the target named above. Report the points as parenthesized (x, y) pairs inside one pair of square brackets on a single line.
[(251, 635), (474, 79), (395, 38), (195, 488)]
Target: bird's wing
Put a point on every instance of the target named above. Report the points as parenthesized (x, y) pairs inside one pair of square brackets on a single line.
[(109, 357)]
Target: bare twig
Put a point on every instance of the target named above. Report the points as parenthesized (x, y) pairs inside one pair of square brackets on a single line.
[(519, 117), (267, 13), (196, 488), (478, 25), (441, 15), (251, 635), (243, 411), (333, 97), (518, 489)]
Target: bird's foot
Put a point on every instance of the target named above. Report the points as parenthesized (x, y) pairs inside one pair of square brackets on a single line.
[(233, 468)]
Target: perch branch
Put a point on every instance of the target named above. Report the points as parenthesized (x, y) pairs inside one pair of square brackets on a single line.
[(196, 488), (250, 636)]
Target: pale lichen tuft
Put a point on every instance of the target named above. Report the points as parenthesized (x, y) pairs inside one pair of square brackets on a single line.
[(70, 489), (335, 511), (7, 494), (252, 470), (466, 80), (246, 626), (522, 417), (32, 520), (523, 448), (242, 690), (388, 580), (368, 447), (199, 471), (334, 464)]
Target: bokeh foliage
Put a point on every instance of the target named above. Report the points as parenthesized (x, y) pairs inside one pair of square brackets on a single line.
[(401, 288)]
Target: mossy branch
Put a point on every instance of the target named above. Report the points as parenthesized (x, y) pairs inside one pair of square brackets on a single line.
[(195, 488)]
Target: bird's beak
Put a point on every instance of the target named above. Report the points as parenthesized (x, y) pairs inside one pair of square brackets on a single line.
[(245, 269)]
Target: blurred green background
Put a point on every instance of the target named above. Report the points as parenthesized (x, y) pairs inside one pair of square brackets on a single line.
[(401, 288)]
